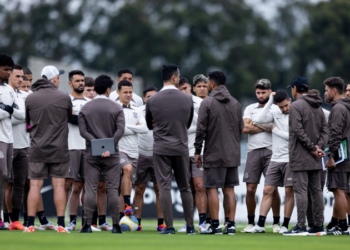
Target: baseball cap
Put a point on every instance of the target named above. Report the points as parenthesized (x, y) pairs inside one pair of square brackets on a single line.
[(298, 82), (50, 72)]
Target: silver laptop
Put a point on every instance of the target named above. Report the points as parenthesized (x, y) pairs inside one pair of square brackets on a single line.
[(99, 146)]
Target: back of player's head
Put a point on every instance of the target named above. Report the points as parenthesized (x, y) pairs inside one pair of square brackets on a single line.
[(168, 71), (124, 71), (336, 83), (199, 78), (89, 81), (263, 84), (280, 96), (148, 89), (17, 66), (124, 83), (6, 60), (314, 92), (27, 71), (183, 81), (75, 72), (102, 83), (301, 84), (218, 77)]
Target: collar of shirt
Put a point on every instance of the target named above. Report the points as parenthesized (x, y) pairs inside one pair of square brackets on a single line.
[(169, 87), (101, 96), (126, 106)]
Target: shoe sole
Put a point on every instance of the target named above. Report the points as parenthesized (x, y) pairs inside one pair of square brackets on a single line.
[(255, 232), (300, 234)]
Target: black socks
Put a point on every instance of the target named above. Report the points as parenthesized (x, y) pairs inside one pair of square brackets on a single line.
[(73, 218), (94, 218), (42, 218), (251, 219), (202, 218), (60, 221), (101, 219), (286, 222), (276, 220), (160, 221), (261, 221), (215, 223), (127, 200)]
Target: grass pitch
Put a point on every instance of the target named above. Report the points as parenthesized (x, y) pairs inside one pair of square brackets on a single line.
[(149, 239)]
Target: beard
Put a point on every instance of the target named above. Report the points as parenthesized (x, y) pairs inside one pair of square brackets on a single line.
[(329, 100), (264, 101), (79, 91)]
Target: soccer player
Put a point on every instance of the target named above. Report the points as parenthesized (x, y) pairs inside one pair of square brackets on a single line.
[(278, 173), (259, 153), (200, 86), (220, 124), (198, 190), (126, 74), (308, 135), (8, 108), (169, 114), (135, 124), (27, 80), (48, 112), (338, 175), (145, 168), (89, 90), (90, 127)]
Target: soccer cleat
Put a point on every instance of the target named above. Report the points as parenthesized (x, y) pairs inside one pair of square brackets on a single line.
[(283, 229), (248, 227), (48, 226), (29, 230), (167, 231), (139, 228), (105, 227), (17, 226), (71, 226), (296, 231), (61, 229), (276, 228), (256, 229), (212, 230), (190, 231), (314, 230), (128, 211), (334, 231), (117, 229), (94, 228), (85, 229), (160, 227), (202, 227), (6, 224), (182, 230), (2, 226), (229, 230)]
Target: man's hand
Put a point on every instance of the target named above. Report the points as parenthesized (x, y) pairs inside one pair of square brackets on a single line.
[(318, 153), (198, 161), (73, 112), (273, 93), (330, 164), (106, 154)]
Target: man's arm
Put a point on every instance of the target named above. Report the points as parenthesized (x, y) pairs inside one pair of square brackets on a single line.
[(120, 122), (193, 127), (324, 136), (249, 128), (191, 116), (149, 117), (280, 133), (336, 125), (4, 114), (83, 128), (265, 127), (18, 113), (141, 128), (265, 115), (202, 129)]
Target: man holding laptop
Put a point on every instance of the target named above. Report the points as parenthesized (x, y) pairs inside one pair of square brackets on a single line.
[(101, 156)]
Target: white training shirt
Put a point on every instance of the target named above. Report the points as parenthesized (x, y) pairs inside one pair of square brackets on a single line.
[(326, 114), (128, 144), (8, 97), (75, 141), (280, 134), (263, 139), (21, 138), (145, 140), (192, 130), (136, 101)]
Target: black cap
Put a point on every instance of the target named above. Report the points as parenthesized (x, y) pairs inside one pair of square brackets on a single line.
[(298, 82)]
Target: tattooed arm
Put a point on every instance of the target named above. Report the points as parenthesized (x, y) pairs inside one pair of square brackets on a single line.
[(265, 127), (249, 128)]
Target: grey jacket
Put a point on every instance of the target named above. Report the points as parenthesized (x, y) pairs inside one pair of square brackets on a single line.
[(220, 125), (307, 128)]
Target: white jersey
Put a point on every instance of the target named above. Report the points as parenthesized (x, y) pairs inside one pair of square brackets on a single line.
[(326, 114), (8, 97), (75, 141), (19, 127), (145, 140), (136, 101), (128, 144), (192, 130), (263, 139)]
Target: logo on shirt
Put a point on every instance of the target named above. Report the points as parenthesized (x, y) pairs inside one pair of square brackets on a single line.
[(135, 115)]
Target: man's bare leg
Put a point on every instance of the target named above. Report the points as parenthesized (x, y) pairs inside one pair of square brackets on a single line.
[(34, 196), (251, 202), (276, 207), (201, 198), (74, 200), (213, 201), (126, 187), (60, 199), (341, 203), (8, 202), (67, 187)]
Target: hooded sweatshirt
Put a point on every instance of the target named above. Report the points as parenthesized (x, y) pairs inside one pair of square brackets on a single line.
[(220, 125), (48, 111), (339, 128), (307, 128)]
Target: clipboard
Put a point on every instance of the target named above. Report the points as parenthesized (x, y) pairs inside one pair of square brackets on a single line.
[(341, 156)]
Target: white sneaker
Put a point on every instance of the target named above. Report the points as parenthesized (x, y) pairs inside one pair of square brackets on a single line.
[(182, 230), (202, 227), (105, 227), (276, 228), (48, 226), (6, 224), (283, 229), (71, 226), (250, 226), (95, 229), (255, 229)]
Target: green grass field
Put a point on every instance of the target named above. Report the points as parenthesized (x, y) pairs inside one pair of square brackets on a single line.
[(149, 239)]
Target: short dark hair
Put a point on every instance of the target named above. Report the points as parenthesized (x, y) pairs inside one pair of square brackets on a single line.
[(102, 83), (89, 81), (6, 60), (263, 84), (149, 89), (218, 77), (336, 83), (27, 71), (75, 72), (124, 83), (124, 71), (314, 92), (199, 78), (168, 71), (280, 96), (182, 81), (17, 66)]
